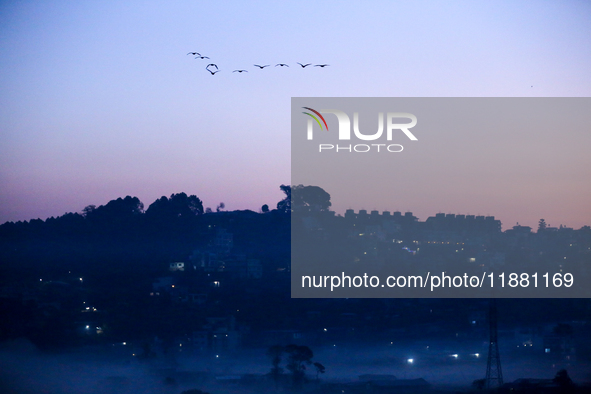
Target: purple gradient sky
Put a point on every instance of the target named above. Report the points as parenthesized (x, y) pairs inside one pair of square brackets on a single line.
[(99, 99)]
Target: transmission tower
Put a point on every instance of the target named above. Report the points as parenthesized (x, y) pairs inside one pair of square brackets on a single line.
[(494, 374)]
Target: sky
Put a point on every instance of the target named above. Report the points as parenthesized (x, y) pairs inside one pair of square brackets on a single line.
[(99, 100)]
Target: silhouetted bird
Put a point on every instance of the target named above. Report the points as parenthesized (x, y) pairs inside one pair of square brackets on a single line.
[(239, 71), (194, 53), (211, 64), (305, 65), (321, 65), (282, 65), (213, 72), (201, 57), (261, 67)]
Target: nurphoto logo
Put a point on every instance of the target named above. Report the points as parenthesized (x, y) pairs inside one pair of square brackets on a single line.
[(344, 132)]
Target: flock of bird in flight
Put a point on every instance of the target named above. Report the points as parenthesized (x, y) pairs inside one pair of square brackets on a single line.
[(210, 67)]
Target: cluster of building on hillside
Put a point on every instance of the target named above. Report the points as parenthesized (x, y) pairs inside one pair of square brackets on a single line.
[(214, 263), (442, 226), (220, 257), (444, 238), (207, 271)]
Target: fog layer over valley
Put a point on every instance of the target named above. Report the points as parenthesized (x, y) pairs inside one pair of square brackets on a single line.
[(444, 365)]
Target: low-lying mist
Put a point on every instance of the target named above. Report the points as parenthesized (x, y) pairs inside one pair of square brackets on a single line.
[(24, 369)]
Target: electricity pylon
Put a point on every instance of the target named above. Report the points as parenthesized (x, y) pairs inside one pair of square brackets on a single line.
[(494, 373)]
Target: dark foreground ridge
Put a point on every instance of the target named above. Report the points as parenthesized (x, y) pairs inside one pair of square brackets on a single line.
[(188, 297)]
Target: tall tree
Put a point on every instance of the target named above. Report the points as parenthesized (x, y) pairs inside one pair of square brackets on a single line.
[(118, 217), (178, 205), (121, 207), (88, 210), (285, 204), (275, 352), (541, 225), (309, 198), (298, 358), (319, 369)]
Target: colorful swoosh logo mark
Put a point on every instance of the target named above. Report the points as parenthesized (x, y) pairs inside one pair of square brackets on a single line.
[(315, 118)]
